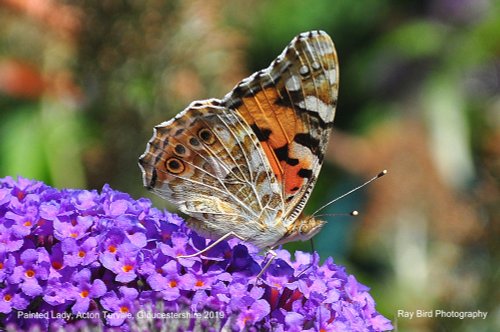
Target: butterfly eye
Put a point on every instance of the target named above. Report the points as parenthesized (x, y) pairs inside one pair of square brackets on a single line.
[(180, 150), (174, 166), (206, 136)]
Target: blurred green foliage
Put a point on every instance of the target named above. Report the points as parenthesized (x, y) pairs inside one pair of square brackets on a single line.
[(82, 84)]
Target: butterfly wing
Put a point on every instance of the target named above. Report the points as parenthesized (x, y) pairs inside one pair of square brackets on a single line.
[(209, 163), (291, 106)]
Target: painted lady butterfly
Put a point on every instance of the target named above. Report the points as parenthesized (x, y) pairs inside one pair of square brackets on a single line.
[(246, 165)]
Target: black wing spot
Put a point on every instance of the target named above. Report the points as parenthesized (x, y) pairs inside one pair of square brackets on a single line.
[(166, 142), (282, 155), (194, 141), (174, 166), (180, 149), (206, 136), (308, 141), (304, 173), (262, 133)]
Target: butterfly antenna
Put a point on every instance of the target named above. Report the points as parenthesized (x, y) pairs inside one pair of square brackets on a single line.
[(354, 213)]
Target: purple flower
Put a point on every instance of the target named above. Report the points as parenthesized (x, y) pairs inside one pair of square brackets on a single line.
[(85, 200), (113, 238), (85, 291), (32, 269), (123, 263), (8, 241), (72, 226), (7, 264), (252, 314), (68, 252), (120, 306), (178, 248), (57, 266), (57, 292), (79, 252), (22, 221), (11, 297), (170, 282)]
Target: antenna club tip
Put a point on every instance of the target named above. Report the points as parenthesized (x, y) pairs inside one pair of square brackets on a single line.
[(384, 172), (354, 213)]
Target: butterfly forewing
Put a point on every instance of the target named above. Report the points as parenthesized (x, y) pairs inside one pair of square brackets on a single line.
[(291, 105)]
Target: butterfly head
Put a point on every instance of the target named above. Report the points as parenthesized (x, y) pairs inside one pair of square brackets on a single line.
[(304, 228)]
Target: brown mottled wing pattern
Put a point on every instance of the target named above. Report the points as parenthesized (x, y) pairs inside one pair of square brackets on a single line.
[(210, 164), (291, 106)]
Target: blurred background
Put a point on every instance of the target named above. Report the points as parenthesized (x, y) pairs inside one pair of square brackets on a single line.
[(83, 83)]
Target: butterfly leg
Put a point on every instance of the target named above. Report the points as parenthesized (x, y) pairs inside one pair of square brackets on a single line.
[(272, 255), (222, 238)]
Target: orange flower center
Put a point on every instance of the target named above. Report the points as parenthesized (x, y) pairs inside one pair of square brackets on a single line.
[(1, 265), (84, 293), (127, 268), (112, 248), (81, 254), (173, 284), (199, 283), (57, 265), (73, 235), (123, 309), (27, 223), (29, 273), (7, 297)]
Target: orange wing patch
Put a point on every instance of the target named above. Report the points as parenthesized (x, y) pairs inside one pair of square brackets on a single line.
[(275, 127)]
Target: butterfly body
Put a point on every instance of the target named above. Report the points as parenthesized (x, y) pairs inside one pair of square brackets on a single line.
[(247, 163)]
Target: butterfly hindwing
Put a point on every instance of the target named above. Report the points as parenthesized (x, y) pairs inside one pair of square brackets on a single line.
[(210, 164)]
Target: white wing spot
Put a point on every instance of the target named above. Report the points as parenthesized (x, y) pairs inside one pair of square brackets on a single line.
[(304, 70), (332, 76), (293, 83), (314, 104)]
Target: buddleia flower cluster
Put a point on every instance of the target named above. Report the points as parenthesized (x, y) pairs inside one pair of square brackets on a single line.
[(76, 259)]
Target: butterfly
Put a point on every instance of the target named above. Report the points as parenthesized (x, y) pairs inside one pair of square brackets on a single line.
[(245, 165)]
